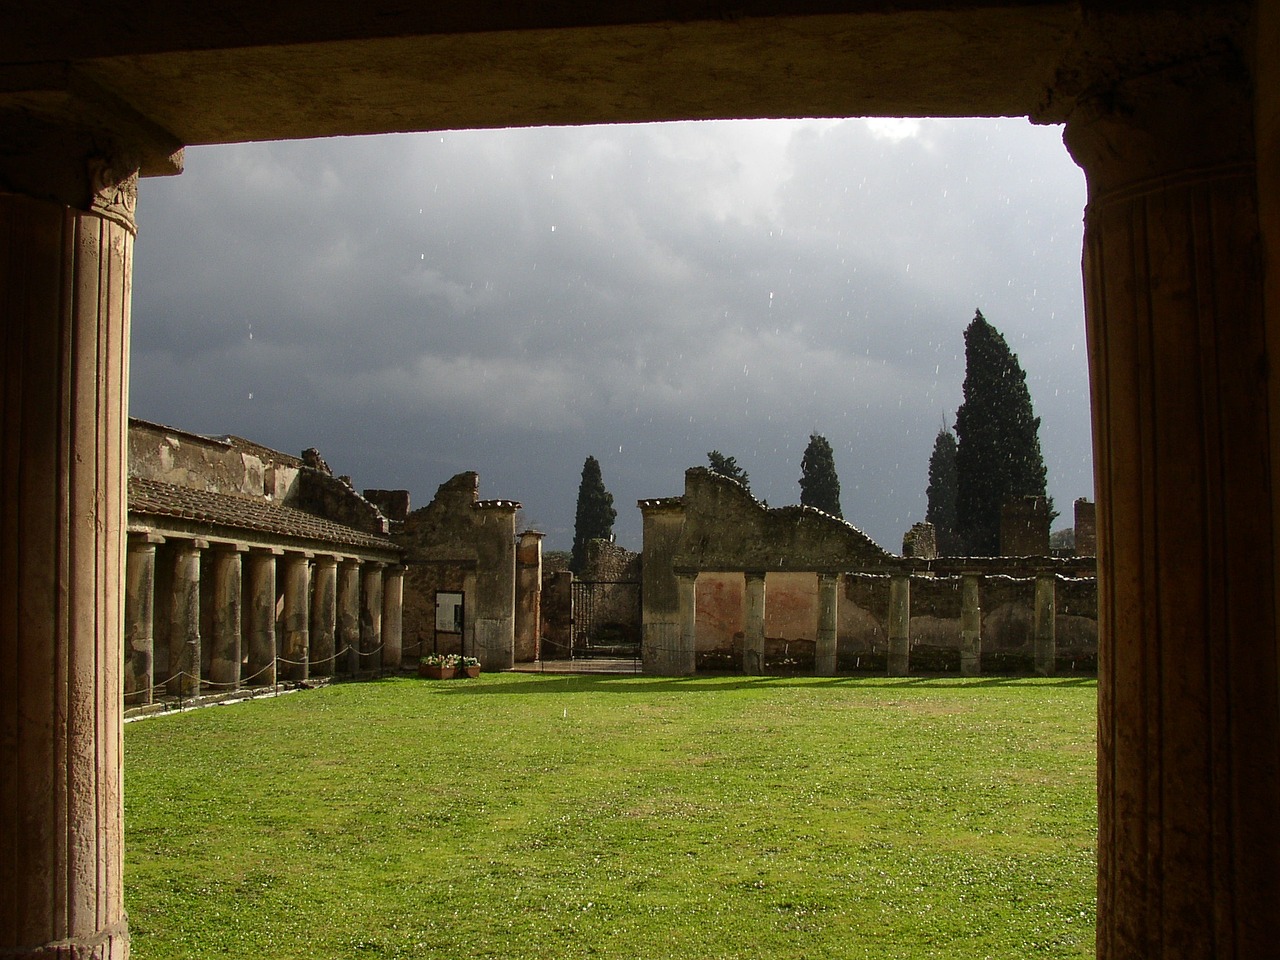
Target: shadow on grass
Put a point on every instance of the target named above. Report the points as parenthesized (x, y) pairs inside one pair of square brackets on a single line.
[(588, 683)]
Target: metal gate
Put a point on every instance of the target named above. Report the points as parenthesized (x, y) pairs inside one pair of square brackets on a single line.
[(606, 619)]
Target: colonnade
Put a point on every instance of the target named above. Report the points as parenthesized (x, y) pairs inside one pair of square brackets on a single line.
[(216, 616), (681, 660)]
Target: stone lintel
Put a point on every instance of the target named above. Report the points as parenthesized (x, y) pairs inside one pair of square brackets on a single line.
[(145, 536), (228, 546)]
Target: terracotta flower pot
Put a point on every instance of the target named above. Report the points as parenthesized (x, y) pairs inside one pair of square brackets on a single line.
[(436, 672), (472, 672)]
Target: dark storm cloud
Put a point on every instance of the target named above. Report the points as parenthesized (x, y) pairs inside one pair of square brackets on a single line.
[(512, 301)]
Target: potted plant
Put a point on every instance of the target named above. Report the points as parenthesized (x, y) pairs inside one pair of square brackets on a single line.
[(438, 666), (470, 666)]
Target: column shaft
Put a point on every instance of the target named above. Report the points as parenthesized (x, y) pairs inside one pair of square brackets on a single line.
[(349, 616), (184, 620), (324, 616), (392, 617), (753, 603), (64, 294), (825, 653), (1045, 625), (139, 621), (684, 659), (260, 631), (970, 626), (295, 644), (899, 625), (224, 662), (371, 618)]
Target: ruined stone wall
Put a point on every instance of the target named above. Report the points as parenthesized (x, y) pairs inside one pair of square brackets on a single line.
[(1024, 527), (608, 561), (327, 496), (184, 459), (1086, 528)]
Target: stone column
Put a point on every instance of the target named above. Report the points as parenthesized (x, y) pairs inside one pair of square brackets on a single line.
[(899, 625), (371, 617), (295, 644), (753, 607), (225, 659), (260, 631), (184, 630), (392, 617), (828, 608), (1045, 625), (139, 622), (659, 605), (468, 638), (65, 280), (348, 639), (970, 626), (684, 659), (528, 596), (324, 616), (495, 597), (1188, 719)]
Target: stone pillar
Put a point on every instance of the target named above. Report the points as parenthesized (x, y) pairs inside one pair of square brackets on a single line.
[(753, 606), (392, 617), (659, 604), (65, 280), (348, 640), (468, 638), (899, 625), (225, 659), (184, 630), (1045, 637), (970, 626), (260, 631), (684, 659), (371, 617), (495, 596), (528, 596), (139, 622), (324, 616), (295, 643), (824, 664), (1188, 719)]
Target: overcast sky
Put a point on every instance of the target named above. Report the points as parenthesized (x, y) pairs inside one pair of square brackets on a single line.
[(512, 301)]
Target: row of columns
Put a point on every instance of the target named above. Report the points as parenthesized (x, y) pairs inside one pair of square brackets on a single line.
[(1044, 635), (339, 614)]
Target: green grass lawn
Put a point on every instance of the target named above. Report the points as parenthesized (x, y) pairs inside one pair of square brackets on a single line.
[(538, 816)]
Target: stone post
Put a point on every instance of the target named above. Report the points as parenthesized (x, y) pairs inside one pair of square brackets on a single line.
[(1045, 625), (393, 617), (528, 596), (349, 616), (970, 626), (1188, 719), (260, 631), (659, 604), (753, 602), (65, 281), (684, 659), (324, 616), (899, 625), (825, 653), (495, 596), (184, 631), (225, 658), (468, 638), (139, 622), (371, 617), (295, 643)]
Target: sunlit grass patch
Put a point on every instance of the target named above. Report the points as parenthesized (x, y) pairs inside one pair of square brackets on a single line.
[(533, 816)]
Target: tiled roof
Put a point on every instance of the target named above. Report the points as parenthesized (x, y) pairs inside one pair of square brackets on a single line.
[(155, 499)]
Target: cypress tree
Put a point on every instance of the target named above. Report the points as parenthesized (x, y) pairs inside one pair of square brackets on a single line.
[(595, 516), (819, 485), (942, 493), (727, 467), (998, 442)]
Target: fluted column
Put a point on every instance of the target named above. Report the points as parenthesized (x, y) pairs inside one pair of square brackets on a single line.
[(684, 659), (139, 619), (184, 621), (970, 626), (392, 617), (295, 644), (825, 651), (349, 616), (371, 617), (260, 631), (65, 279), (1188, 719), (753, 609), (899, 625), (324, 615), (1044, 625), (225, 653)]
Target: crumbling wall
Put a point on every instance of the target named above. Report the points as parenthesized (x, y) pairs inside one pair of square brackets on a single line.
[(324, 495), (168, 455)]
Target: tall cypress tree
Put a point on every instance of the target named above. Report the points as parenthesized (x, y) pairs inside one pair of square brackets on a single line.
[(819, 485), (594, 520), (942, 493), (998, 442)]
